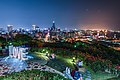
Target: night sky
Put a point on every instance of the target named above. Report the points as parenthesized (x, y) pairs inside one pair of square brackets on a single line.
[(80, 14)]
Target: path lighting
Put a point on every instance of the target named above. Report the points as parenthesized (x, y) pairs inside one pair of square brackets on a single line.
[(73, 59), (75, 46), (46, 51), (10, 43), (47, 54), (43, 50)]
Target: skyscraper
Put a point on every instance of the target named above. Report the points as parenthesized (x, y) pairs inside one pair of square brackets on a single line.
[(9, 28), (33, 27), (53, 26)]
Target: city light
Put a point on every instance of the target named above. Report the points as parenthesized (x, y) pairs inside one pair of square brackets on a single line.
[(59, 40)]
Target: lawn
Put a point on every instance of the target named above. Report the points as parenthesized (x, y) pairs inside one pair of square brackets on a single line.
[(40, 55), (115, 78), (101, 76), (66, 60), (59, 63)]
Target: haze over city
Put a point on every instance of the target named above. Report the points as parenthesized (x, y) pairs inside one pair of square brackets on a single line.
[(80, 14)]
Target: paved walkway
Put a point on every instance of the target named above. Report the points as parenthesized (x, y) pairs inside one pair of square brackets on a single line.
[(36, 65), (4, 68)]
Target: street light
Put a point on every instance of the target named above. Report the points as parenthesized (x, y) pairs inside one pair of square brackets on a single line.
[(73, 59), (75, 46), (47, 53)]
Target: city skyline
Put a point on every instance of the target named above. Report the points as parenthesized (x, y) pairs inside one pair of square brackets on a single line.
[(69, 14)]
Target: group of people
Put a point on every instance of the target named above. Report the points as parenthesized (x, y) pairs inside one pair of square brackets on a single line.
[(50, 56), (74, 74)]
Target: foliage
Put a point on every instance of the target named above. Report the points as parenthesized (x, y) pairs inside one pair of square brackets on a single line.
[(115, 78), (33, 75), (94, 49), (2, 39), (96, 56), (21, 39)]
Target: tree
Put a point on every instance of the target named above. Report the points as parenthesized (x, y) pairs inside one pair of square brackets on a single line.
[(21, 39), (2, 39)]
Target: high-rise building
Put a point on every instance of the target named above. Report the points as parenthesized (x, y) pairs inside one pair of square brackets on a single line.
[(33, 27), (1, 29), (53, 26), (9, 28)]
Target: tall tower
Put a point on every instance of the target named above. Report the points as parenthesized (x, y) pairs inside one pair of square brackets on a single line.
[(9, 28), (53, 26)]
